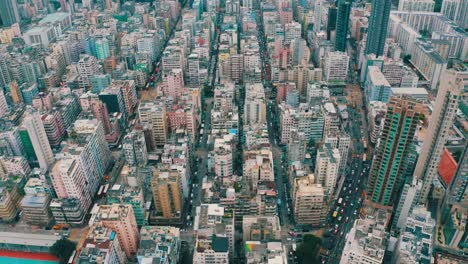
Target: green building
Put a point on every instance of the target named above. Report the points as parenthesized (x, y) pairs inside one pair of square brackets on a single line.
[(123, 194), (389, 164)]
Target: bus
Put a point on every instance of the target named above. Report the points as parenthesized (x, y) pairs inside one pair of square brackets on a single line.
[(99, 194), (364, 143), (72, 257), (106, 187)]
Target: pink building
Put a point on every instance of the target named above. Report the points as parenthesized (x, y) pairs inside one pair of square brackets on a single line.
[(281, 92), (286, 15), (128, 88), (100, 112), (173, 83), (177, 117), (121, 219), (69, 181), (42, 102), (54, 128)]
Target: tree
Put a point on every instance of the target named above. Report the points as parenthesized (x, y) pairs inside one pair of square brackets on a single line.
[(407, 58), (63, 249), (308, 251)]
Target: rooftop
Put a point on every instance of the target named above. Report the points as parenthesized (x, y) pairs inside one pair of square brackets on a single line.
[(12, 238)]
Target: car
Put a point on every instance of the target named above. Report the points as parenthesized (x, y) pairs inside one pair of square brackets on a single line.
[(342, 210), (347, 219), (292, 234), (335, 231), (355, 212), (341, 234)]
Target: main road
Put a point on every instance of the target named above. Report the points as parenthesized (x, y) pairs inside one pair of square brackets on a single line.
[(356, 174)]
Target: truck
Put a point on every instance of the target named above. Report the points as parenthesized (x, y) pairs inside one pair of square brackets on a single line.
[(364, 157), (340, 200)]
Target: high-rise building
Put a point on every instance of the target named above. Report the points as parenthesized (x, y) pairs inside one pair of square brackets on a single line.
[(173, 82), (415, 244), (451, 88), (69, 181), (16, 95), (102, 49), (342, 22), (159, 242), (213, 219), (101, 244), (211, 250), (68, 211), (35, 208), (119, 218), (9, 204), (255, 105), (5, 75), (129, 194), (166, 186), (113, 97), (377, 33), (342, 141), (456, 10), (154, 115), (308, 198), (88, 142), (10, 142), (9, 12), (38, 136), (336, 67), (416, 5), (134, 147), (401, 121), (54, 128), (367, 240), (88, 66), (3, 104), (331, 21), (327, 167), (456, 192)]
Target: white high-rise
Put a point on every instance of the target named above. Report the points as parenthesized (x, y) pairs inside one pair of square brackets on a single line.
[(341, 141), (327, 166), (336, 66), (255, 106), (3, 104), (38, 136), (416, 5), (450, 89), (155, 116)]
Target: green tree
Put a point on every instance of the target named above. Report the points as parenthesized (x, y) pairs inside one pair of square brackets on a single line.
[(63, 249), (308, 251), (407, 58)]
